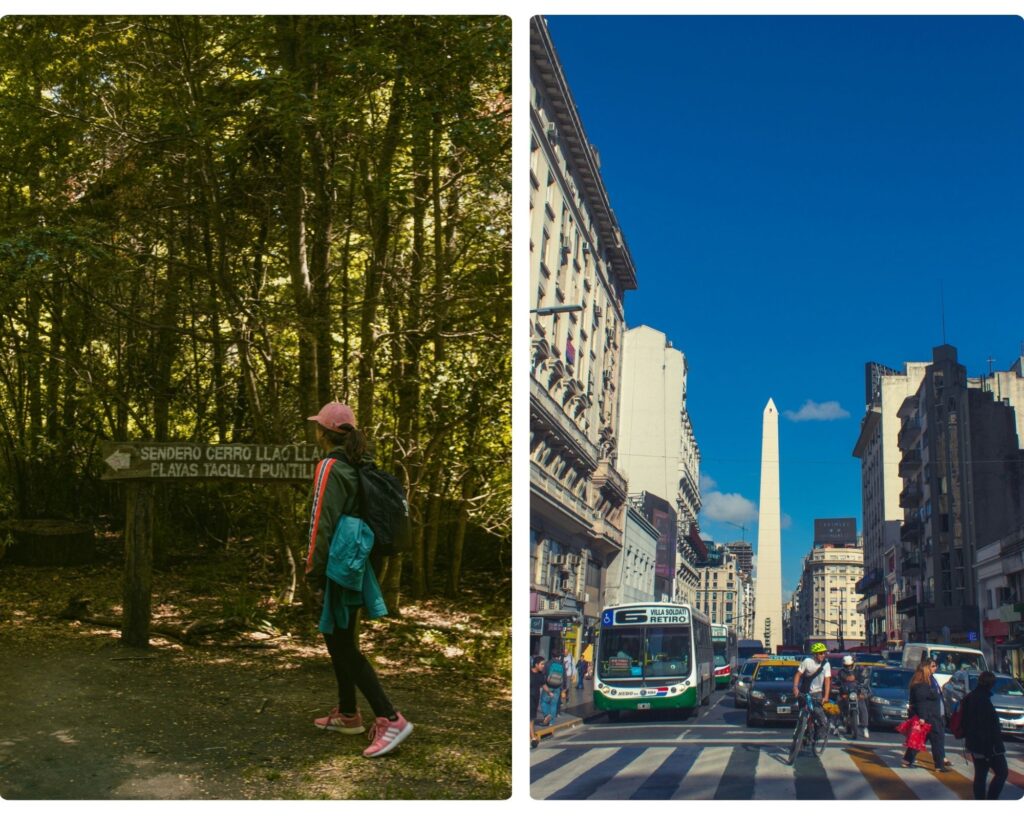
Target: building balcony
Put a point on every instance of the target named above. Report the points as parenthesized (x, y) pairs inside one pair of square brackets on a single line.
[(910, 531), (910, 463), (912, 566), (909, 433), (546, 486), (906, 605), (910, 497), (871, 580)]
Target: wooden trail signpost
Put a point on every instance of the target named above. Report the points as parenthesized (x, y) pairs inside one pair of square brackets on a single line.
[(144, 463)]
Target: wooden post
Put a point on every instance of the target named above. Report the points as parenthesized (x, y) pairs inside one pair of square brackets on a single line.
[(138, 567)]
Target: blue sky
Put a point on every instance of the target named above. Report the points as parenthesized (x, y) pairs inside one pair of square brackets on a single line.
[(795, 191)]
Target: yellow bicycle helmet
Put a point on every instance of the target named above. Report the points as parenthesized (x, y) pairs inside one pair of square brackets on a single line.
[(818, 648)]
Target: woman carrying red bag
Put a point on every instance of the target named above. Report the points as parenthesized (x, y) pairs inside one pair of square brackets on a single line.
[(915, 731), (925, 705)]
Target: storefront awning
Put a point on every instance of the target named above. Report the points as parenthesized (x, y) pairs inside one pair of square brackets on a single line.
[(559, 614)]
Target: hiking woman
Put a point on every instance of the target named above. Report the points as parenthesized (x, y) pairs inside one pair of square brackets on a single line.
[(342, 580)]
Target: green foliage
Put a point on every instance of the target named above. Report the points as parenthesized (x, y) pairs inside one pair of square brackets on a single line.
[(210, 226)]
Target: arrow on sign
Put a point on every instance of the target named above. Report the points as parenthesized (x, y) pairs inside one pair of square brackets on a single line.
[(120, 460)]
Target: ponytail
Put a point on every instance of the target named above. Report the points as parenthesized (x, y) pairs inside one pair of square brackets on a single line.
[(351, 439)]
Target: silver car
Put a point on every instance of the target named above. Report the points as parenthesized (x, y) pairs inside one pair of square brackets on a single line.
[(1007, 698), (741, 684)]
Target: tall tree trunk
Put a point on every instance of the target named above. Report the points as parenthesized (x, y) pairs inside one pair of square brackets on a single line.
[(291, 44), (346, 287), (468, 482), (377, 192), (166, 347), (322, 216), (411, 341)]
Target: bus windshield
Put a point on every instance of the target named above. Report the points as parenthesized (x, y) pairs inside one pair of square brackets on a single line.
[(647, 653), (720, 646)]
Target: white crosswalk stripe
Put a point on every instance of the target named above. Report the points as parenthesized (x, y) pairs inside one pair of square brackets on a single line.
[(702, 780), (558, 779), (920, 779), (629, 779), (772, 778), (845, 777)]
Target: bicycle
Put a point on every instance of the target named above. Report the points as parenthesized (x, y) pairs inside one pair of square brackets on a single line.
[(817, 737)]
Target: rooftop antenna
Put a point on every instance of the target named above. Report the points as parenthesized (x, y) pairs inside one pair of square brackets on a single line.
[(942, 305)]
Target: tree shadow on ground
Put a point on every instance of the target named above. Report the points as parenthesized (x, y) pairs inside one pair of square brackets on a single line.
[(84, 717)]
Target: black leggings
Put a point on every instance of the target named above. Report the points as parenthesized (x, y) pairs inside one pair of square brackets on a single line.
[(353, 670), (982, 764)]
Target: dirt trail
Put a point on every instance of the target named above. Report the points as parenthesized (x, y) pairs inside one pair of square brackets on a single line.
[(84, 717)]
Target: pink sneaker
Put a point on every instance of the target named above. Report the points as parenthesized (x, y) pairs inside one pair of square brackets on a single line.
[(337, 721), (386, 735)]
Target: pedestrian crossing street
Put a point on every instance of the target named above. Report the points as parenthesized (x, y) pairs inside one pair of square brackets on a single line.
[(749, 770)]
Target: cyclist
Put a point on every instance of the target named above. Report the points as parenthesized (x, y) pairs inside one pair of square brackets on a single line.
[(849, 683), (814, 676)]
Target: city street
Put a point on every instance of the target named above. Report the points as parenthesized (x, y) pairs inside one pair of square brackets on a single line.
[(716, 756)]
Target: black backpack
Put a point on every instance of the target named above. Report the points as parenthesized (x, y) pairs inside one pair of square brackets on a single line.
[(385, 509)]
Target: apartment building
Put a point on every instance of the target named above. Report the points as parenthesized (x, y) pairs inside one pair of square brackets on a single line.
[(877, 448), (658, 449), (580, 268), (826, 608), (963, 488)]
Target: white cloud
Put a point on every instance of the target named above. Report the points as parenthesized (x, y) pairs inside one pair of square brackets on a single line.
[(707, 483), (729, 507), (812, 411)]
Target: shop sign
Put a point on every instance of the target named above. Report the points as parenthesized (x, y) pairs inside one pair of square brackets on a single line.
[(536, 625), (1009, 613)]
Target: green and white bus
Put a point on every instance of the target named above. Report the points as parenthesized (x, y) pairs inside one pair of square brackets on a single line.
[(723, 644), (653, 656)]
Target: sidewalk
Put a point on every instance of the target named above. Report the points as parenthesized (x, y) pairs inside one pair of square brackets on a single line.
[(579, 707)]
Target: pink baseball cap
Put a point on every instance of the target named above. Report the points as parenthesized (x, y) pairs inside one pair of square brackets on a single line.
[(334, 416)]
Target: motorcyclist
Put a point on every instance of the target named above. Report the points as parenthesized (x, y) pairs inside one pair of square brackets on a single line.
[(851, 685)]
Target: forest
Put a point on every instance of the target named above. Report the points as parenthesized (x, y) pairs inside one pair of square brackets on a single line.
[(210, 227)]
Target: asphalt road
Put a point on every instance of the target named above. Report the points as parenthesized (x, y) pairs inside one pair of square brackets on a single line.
[(714, 755)]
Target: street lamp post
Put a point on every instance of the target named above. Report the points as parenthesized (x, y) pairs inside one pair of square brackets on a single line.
[(842, 600), (839, 635), (558, 308)]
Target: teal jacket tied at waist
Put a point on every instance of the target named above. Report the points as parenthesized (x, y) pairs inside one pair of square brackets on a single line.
[(350, 579)]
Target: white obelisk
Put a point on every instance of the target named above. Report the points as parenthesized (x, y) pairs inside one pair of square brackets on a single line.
[(768, 589)]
